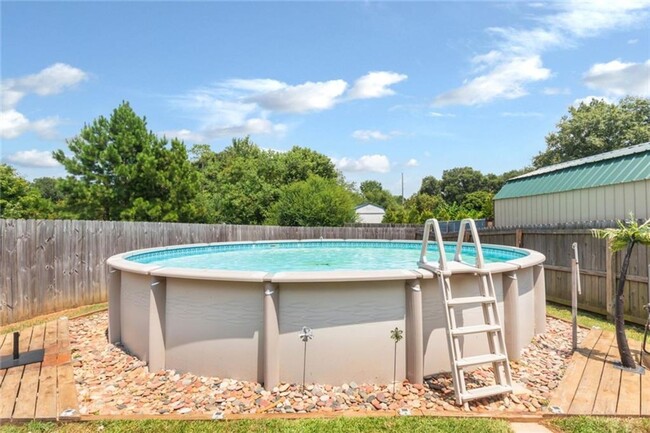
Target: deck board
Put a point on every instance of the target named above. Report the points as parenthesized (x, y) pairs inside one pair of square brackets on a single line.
[(645, 393), (566, 391), (41, 390), (629, 402), (583, 402), (610, 382), (25, 406), (592, 385)]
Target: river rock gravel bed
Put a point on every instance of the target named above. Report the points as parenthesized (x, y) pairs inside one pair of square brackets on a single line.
[(111, 382)]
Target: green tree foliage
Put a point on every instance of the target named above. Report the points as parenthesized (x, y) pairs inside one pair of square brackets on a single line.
[(50, 188), (373, 192), (597, 127), (625, 237), (313, 202), (479, 202), (242, 182), (459, 181), (300, 162), (18, 199), (119, 170), (430, 185)]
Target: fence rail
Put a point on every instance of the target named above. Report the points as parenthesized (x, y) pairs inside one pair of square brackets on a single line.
[(51, 265)]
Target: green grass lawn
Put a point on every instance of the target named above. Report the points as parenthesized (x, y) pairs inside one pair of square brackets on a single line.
[(589, 320), (71, 314), (335, 425), (583, 424)]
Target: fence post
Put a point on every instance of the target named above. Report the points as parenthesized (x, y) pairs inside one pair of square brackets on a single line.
[(610, 280), (519, 238)]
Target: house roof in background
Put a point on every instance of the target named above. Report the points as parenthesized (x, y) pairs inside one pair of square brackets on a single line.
[(370, 206), (629, 164)]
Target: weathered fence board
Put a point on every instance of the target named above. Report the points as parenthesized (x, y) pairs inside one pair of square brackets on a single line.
[(48, 265)]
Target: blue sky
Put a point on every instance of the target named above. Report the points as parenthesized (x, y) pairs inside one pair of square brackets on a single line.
[(381, 88)]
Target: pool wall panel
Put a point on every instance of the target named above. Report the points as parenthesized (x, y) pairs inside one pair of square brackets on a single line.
[(134, 314), (214, 328), (351, 323)]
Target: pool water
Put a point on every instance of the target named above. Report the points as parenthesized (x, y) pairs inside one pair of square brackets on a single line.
[(312, 256)]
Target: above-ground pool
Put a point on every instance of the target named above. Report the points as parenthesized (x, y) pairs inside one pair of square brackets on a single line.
[(236, 309)]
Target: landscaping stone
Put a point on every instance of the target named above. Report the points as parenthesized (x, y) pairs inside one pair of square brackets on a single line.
[(109, 381)]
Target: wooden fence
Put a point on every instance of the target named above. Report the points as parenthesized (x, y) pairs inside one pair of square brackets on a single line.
[(599, 269), (49, 266)]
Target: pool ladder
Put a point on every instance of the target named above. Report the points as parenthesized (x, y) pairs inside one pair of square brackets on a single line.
[(491, 325)]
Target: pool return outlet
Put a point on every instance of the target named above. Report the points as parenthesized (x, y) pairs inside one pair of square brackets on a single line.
[(491, 326)]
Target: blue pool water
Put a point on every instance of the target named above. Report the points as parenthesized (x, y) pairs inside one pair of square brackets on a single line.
[(312, 256)]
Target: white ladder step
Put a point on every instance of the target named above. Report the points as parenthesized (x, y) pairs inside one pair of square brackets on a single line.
[(480, 359), (475, 329), (471, 300), (486, 391)]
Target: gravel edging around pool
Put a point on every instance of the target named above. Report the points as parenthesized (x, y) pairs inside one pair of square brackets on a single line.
[(111, 382)]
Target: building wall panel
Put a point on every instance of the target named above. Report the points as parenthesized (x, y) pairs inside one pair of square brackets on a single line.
[(601, 203)]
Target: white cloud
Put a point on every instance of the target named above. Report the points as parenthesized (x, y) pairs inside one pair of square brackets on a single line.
[(367, 135), (33, 158), (14, 124), (619, 79), (632, 41), (507, 81), (375, 85), (438, 114), (303, 97), (372, 163), (412, 163), (521, 114), (556, 91), (587, 100), (518, 54), (246, 106), (49, 81), (248, 127)]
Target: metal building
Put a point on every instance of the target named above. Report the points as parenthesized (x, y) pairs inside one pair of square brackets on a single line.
[(601, 187)]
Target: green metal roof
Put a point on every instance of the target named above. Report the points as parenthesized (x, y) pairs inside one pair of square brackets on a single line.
[(620, 166)]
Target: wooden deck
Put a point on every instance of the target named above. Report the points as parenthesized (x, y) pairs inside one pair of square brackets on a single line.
[(592, 386), (42, 390)]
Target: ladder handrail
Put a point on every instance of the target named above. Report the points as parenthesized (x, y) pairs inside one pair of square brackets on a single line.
[(442, 261), (475, 239)]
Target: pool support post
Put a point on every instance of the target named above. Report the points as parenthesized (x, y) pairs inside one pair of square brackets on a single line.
[(114, 320), (157, 300), (414, 333), (511, 315), (271, 336), (539, 291)]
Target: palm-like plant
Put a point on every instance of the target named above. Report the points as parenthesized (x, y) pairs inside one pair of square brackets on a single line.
[(396, 335), (625, 237)]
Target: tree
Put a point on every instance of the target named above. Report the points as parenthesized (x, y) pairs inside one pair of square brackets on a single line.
[(479, 202), (300, 162), (119, 170), (373, 192), (49, 188), (242, 182), (18, 199), (625, 237), (313, 202), (597, 127), (430, 185), (458, 182)]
